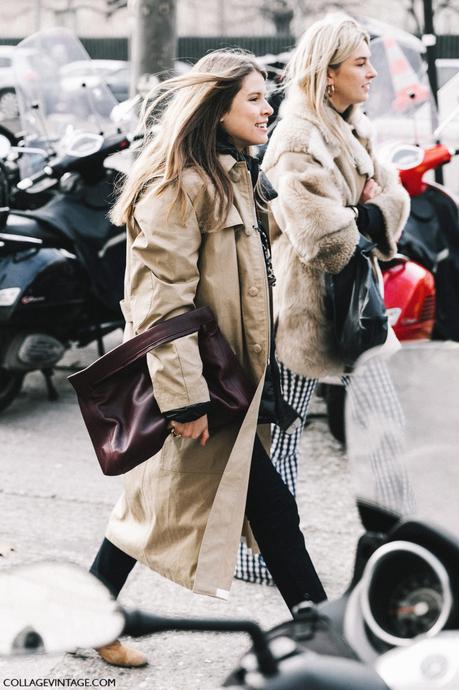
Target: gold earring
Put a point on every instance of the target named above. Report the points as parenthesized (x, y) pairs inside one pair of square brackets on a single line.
[(330, 90)]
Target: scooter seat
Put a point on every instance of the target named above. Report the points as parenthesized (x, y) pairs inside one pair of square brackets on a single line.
[(25, 225)]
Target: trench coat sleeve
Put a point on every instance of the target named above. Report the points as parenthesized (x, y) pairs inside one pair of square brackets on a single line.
[(394, 204), (164, 276), (310, 211)]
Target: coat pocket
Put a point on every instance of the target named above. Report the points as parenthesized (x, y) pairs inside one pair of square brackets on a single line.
[(232, 220), (187, 456)]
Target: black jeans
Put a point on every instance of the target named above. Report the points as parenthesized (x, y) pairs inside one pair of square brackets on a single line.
[(273, 515)]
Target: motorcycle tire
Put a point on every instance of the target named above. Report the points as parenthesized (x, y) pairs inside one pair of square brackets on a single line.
[(335, 397), (10, 386)]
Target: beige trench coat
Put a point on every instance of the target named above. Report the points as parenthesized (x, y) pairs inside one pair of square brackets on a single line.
[(182, 511)]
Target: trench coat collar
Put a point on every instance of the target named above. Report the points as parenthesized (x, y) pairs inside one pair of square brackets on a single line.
[(227, 161), (324, 145)]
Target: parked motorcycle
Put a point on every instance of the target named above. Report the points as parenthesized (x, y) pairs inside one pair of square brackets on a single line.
[(396, 627), (403, 111), (62, 263), (431, 235), (421, 284)]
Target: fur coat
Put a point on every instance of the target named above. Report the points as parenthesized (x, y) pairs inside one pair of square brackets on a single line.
[(312, 228)]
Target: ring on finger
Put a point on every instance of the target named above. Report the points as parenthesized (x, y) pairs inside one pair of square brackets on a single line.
[(174, 433)]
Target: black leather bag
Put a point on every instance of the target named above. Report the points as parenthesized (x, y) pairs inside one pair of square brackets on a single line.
[(355, 305)]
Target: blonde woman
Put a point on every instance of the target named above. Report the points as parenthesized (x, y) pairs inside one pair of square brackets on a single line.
[(192, 204), (330, 186)]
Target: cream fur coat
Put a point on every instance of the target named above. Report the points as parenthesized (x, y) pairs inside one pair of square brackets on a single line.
[(312, 229)]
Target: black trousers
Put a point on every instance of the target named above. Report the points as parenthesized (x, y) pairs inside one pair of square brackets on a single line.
[(273, 515)]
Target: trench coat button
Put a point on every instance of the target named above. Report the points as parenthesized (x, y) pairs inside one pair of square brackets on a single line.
[(257, 348), (253, 291)]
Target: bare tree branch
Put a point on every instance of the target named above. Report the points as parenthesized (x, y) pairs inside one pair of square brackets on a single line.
[(410, 7)]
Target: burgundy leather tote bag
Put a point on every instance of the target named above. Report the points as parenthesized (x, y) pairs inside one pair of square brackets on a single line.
[(117, 399)]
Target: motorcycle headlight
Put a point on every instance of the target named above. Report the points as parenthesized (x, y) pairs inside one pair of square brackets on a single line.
[(8, 296)]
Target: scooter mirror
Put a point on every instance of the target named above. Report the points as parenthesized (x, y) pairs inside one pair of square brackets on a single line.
[(51, 608), (125, 110), (5, 146), (407, 157), (81, 144)]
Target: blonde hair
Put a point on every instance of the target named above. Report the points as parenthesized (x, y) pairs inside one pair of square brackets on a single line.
[(180, 120), (326, 44)]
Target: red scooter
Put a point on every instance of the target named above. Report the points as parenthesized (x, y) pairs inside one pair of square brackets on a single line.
[(421, 283), (431, 239)]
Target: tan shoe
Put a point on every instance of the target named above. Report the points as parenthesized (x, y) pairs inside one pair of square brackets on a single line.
[(117, 654)]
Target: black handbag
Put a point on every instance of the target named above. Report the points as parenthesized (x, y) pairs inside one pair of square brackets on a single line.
[(355, 306)]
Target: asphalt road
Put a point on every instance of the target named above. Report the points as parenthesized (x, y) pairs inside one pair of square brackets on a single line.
[(54, 504)]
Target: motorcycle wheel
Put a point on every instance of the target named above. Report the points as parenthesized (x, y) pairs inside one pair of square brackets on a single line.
[(10, 385), (335, 397)]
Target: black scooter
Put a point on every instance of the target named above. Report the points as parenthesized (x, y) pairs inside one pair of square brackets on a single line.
[(61, 265)]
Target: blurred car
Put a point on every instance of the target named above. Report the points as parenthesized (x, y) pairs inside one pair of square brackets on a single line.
[(8, 101), (115, 73)]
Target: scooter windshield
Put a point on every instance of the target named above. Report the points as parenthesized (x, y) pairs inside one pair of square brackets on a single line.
[(59, 93), (400, 105), (402, 430)]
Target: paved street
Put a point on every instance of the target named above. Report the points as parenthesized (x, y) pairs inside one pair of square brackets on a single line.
[(55, 502)]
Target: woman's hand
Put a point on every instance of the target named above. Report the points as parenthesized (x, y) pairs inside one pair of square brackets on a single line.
[(369, 192), (196, 429)]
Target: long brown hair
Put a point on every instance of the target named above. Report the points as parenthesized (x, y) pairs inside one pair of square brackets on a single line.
[(180, 129)]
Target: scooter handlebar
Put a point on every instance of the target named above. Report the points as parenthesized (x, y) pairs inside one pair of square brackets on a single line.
[(139, 623), (67, 163), (317, 671), (28, 182), (296, 672)]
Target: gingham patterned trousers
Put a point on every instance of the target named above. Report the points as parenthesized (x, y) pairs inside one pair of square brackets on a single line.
[(298, 391), (376, 392)]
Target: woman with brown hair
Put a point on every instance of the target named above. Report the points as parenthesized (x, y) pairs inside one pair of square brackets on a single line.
[(193, 205)]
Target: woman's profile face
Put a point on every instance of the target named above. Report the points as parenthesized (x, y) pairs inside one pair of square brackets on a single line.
[(351, 80), (246, 122)]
